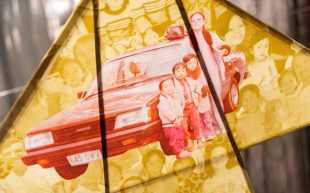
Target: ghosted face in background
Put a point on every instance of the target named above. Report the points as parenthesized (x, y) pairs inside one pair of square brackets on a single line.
[(301, 67), (236, 31), (288, 84), (261, 49), (72, 74), (249, 101), (154, 165), (197, 21), (219, 158)]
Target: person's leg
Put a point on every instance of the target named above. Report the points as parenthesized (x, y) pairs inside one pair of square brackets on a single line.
[(218, 125), (195, 124), (185, 126)]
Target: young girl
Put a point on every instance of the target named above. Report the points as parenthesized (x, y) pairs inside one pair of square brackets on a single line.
[(262, 69), (290, 88), (189, 91), (194, 71), (251, 123), (171, 115)]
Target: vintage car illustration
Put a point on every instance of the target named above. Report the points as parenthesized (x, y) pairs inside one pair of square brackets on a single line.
[(71, 139)]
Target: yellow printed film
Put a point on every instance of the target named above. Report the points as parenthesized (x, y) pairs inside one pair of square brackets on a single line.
[(160, 116), (271, 99), (163, 130), (68, 68)]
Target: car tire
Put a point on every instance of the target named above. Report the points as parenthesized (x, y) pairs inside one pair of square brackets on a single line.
[(70, 172), (232, 100)]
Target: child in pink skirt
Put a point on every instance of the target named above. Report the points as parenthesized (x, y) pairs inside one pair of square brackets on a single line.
[(204, 108), (189, 91), (171, 115)]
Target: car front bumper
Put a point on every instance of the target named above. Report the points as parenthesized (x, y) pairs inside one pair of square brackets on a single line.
[(117, 143)]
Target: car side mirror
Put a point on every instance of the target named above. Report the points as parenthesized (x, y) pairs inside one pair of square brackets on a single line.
[(81, 94)]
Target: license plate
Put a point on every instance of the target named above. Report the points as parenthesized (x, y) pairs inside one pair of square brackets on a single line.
[(84, 158)]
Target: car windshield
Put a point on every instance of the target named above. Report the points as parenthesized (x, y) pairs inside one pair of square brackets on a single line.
[(138, 67)]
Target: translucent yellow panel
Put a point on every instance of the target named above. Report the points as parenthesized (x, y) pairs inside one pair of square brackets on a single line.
[(272, 99)]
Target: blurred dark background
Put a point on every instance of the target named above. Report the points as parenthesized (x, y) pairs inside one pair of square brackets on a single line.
[(27, 29)]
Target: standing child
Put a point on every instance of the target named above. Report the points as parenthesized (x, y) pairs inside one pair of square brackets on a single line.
[(189, 91), (204, 108), (171, 115)]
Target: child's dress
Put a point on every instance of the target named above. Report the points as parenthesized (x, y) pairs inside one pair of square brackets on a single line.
[(172, 141), (189, 93), (204, 109)]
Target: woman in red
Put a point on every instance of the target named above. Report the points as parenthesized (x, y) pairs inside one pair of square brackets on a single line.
[(212, 49)]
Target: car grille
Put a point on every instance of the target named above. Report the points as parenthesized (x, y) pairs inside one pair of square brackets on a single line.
[(81, 132)]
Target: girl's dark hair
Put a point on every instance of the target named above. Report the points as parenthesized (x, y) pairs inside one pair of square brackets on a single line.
[(177, 66), (197, 72), (250, 87), (258, 36), (205, 32)]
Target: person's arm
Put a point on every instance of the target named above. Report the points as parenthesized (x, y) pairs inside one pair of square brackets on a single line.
[(222, 71), (273, 68), (165, 111), (219, 45)]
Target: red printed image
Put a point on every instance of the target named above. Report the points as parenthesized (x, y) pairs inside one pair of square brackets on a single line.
[(156, 93)]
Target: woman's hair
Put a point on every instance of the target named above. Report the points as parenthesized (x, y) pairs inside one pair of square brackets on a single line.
[(222, 23), (205, 91), (205, 32), (151, 153), (197, 72)]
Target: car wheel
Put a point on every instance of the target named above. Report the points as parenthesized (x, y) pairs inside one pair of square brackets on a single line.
[(70, 172), (232, 100)]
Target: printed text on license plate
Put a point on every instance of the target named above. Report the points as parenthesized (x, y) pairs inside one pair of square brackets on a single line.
[(84, 158)]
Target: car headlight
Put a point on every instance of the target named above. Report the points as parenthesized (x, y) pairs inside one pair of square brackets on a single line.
[(139, 116), (39, 140)]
